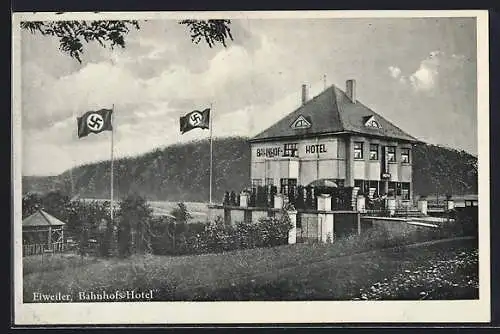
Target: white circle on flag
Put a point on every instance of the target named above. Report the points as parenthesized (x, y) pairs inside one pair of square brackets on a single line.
[(195, 118), (95, 122)]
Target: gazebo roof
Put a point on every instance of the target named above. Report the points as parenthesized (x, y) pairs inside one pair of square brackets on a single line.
[(41, 218)]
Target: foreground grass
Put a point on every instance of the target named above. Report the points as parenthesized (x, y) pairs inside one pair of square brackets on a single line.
[(453, 276), (292, 272), (52, 262), (344, 278)]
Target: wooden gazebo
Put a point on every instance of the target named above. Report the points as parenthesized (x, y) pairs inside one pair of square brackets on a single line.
[(42, 233)]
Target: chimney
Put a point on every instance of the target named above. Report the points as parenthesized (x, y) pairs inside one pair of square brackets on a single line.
[(304, 94), (350, 89)]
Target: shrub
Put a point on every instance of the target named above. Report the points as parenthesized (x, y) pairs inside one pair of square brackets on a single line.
[(217, 237)]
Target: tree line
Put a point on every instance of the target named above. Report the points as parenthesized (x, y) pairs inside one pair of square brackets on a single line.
[(135, 230)]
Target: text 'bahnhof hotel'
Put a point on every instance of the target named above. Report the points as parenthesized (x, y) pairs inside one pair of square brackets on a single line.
[(333, 136)]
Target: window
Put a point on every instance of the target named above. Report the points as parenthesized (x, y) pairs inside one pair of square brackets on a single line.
[(371, 122), (358, 150), (391, 191), (398, 188), (363, 185), (405, 155), (286, 185), (269, 181), (290, 150), (373, 188), (405, 190), (256, 183), (373, 152), (391, 153)]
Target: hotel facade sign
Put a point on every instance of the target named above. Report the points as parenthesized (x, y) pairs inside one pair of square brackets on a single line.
[(291, 150)]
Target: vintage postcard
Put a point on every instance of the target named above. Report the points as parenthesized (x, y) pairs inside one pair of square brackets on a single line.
[(251, 167)]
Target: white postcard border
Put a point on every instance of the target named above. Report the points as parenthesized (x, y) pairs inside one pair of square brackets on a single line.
[(260, 312)]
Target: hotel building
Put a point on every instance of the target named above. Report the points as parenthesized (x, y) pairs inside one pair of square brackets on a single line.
[(335, 137)]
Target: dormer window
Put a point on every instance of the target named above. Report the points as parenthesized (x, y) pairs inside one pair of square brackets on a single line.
[(301, 123), (371, 122)]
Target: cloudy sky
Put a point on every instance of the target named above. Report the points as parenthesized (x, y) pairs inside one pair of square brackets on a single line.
[(419, 73)]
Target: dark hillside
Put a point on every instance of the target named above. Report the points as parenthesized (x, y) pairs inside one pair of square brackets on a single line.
[(181, 172)]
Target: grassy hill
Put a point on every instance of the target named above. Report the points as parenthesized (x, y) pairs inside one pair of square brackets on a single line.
[(181, 172)]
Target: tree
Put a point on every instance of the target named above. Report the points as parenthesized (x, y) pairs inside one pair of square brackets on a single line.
[(111, 33), (181, 213), (31, 203), (56, 203), (134, 230)]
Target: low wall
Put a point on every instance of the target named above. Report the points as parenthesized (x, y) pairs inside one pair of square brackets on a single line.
[(235, 214), (259, 214), (312, 225), (395, 226), (345, 223)]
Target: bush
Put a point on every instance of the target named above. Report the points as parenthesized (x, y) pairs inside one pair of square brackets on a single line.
[(216, 236)]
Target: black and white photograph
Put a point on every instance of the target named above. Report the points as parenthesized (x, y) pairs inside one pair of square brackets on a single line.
[(251, 167)]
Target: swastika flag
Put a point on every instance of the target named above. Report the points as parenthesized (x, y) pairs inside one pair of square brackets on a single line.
[(94, 122), (195, 119)]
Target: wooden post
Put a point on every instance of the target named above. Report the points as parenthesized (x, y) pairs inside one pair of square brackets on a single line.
[(49, 240), (359, 222)]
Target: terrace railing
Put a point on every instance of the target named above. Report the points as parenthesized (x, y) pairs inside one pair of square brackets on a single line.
[(304, 198)]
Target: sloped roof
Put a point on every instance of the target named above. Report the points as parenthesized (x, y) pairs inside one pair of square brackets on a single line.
[(333, 112), (41, 218)]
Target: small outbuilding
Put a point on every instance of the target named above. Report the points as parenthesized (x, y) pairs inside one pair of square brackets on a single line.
[(42, 232)]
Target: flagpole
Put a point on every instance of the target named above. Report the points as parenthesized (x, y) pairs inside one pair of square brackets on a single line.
[(74, 116), (71, 181), (112, 163), (211, 151)]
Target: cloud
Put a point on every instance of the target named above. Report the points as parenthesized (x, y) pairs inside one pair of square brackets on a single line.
[(394, 71), (426, 76), (252, 83), (437, 69)]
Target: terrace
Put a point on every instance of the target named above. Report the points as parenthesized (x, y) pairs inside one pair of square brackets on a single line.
[(320, 213)]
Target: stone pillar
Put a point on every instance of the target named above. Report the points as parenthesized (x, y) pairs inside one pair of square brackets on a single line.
[(278, 201), (450, 204), (354, 198), (361, 204), (327, 227), (292, 234), (391, 205), (422, 205), (325, 219), (324, 202), (243, 199)]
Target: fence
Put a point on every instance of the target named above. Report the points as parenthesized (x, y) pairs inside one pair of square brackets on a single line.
[(34, 249)]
